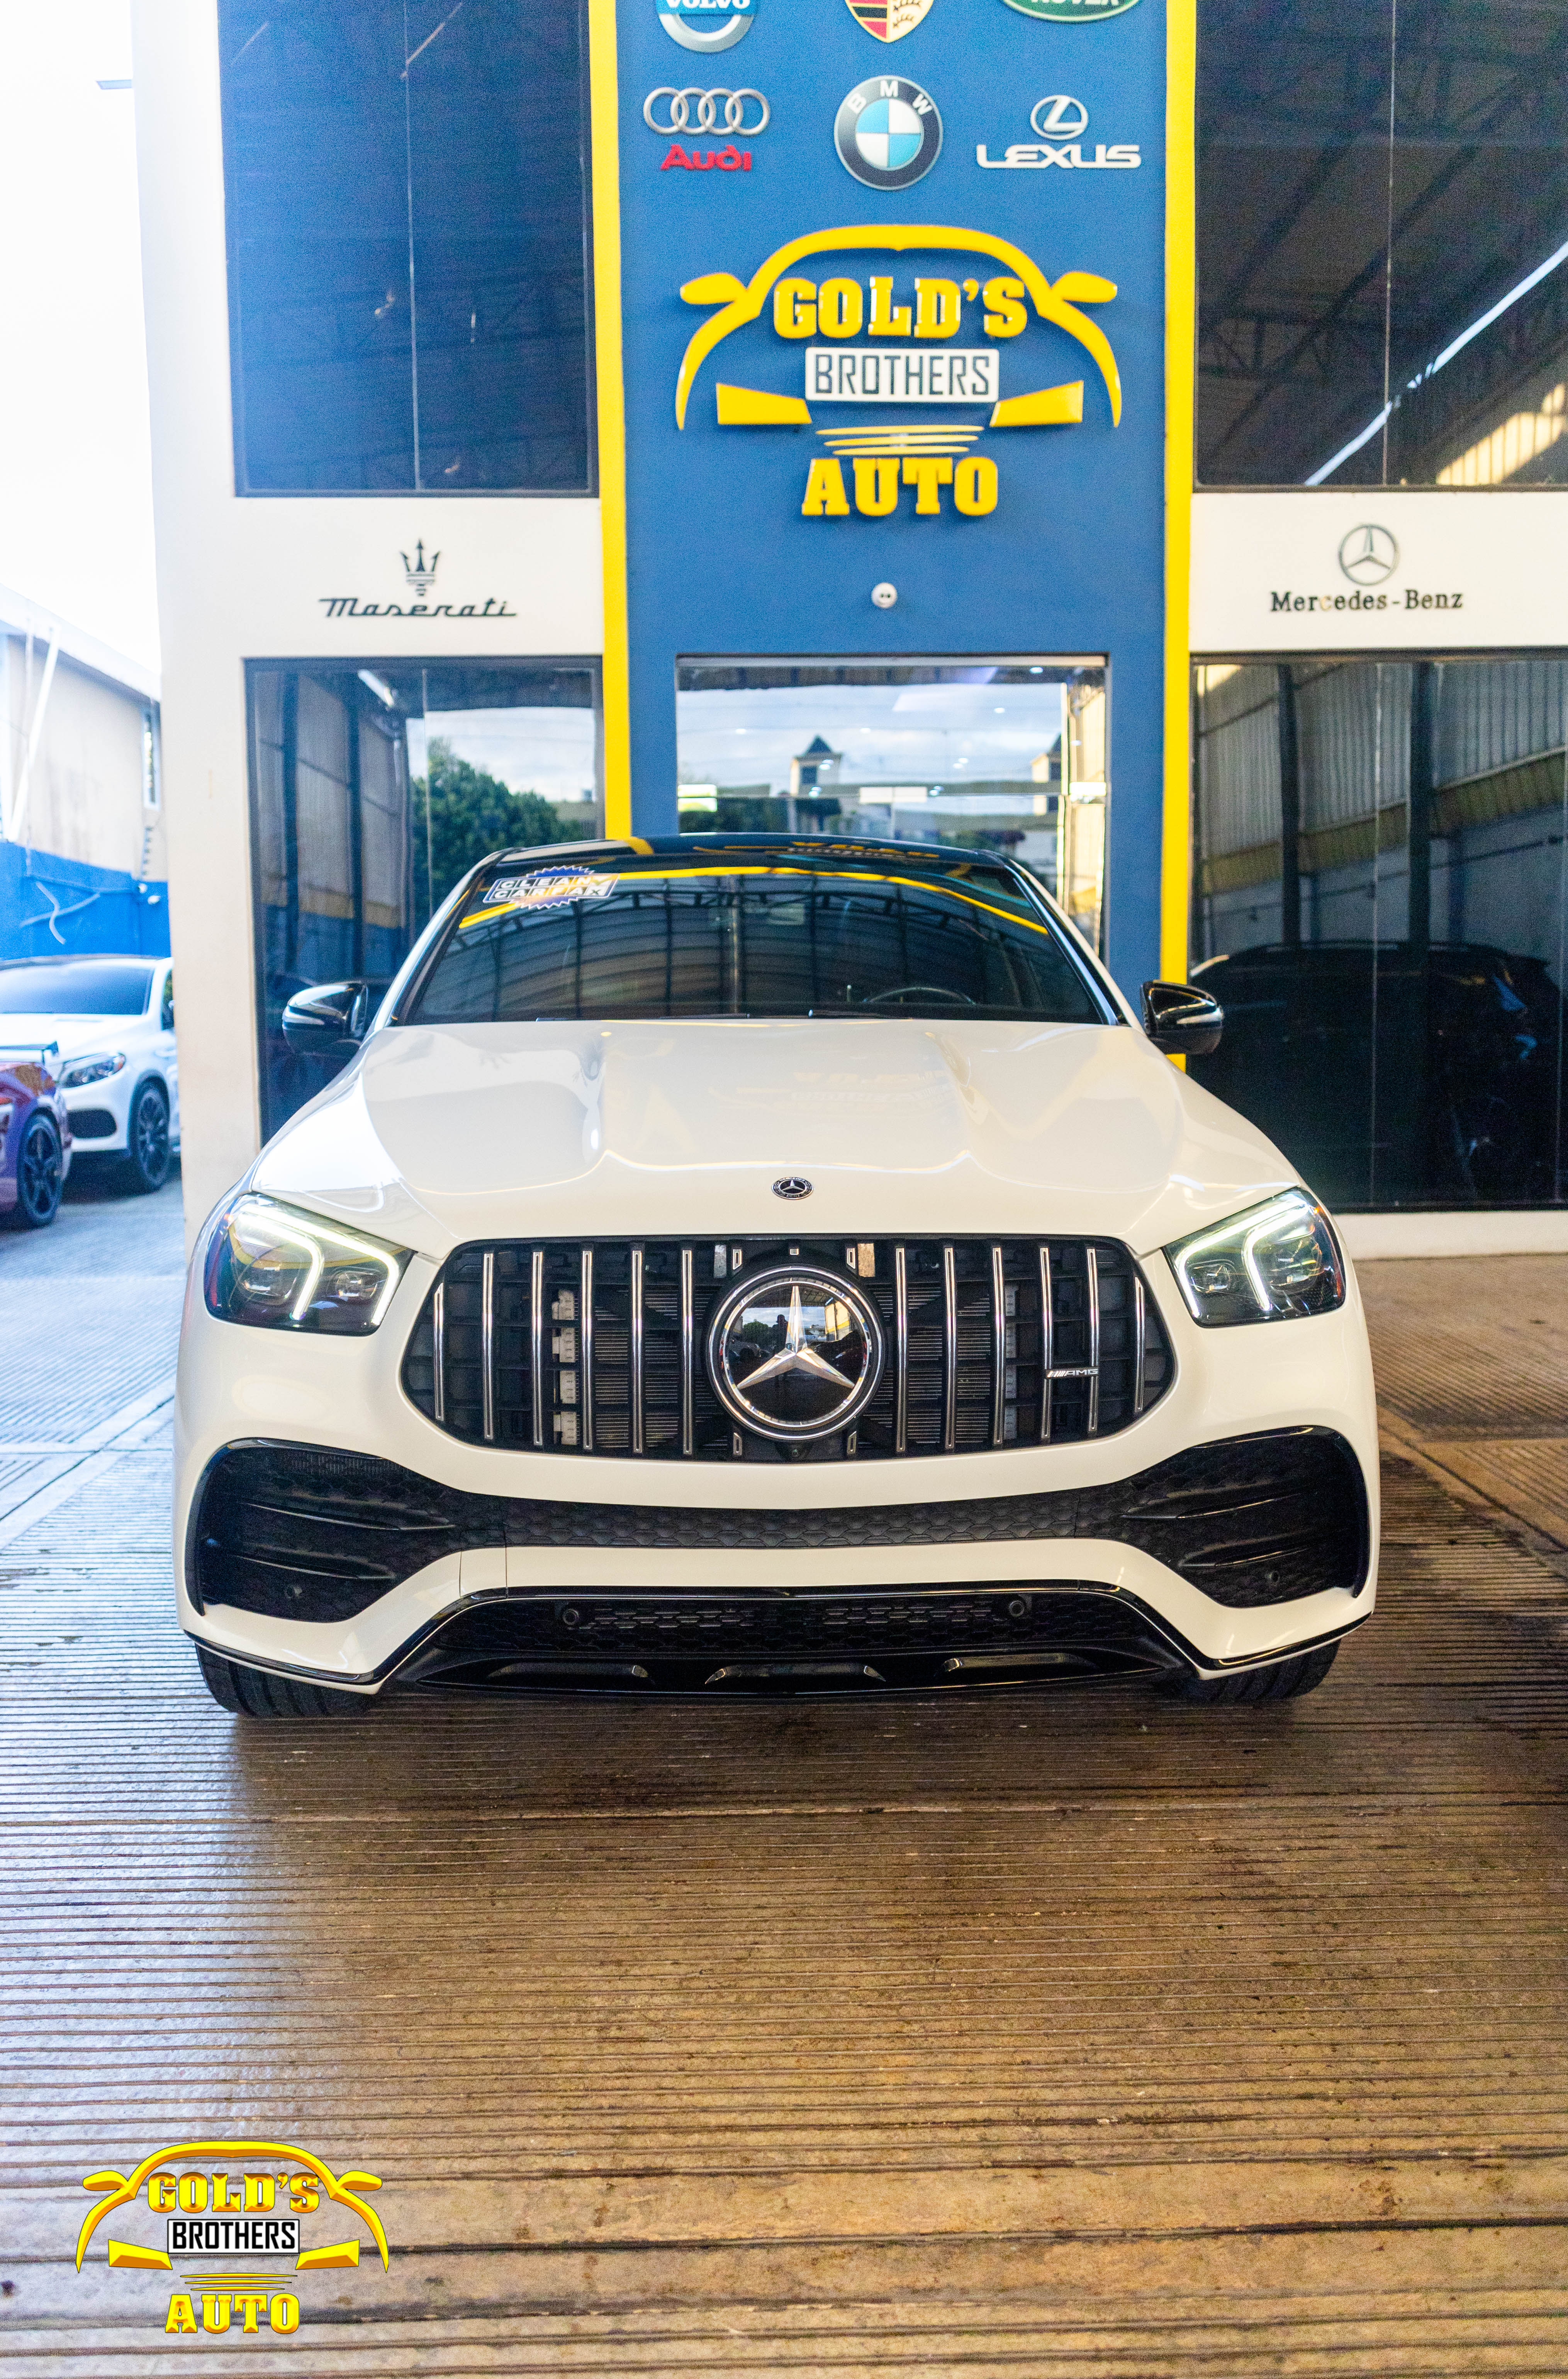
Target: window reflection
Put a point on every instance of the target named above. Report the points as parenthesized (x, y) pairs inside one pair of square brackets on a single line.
[(373, 789), (1379, 902), (406, 206), (1383, 279), (991, 754)]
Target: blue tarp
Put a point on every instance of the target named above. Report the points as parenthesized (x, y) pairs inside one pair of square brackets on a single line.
[(51, 906)]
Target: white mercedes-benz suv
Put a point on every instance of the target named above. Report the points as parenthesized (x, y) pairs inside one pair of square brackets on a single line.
[(741, 1265)]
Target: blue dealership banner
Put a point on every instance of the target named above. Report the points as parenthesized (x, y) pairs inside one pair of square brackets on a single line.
[(893, 314)]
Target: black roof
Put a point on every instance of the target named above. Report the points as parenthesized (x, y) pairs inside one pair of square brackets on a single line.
[(814, 848)]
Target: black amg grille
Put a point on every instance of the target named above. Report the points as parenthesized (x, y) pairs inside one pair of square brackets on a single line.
[(597, 1348), (296, 1532)]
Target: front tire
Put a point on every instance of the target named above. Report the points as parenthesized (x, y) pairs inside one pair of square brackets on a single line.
[(253, 1693), (40, 1176), (1283, 1681), (147, 1154)]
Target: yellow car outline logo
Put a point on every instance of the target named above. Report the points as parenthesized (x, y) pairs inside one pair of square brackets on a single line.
[(122, 2188), (742, 302)]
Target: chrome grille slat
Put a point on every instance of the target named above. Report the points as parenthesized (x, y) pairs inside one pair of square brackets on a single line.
[(999, 1347), (597, 1347), (537, 1344), (949, 1351), (488, 1341), (1092, 1266), (634, 1321), (688, 1351), (901, 1334), (1047, 1344), (585, 1345)]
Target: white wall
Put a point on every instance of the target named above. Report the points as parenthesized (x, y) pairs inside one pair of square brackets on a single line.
[(253, 579)]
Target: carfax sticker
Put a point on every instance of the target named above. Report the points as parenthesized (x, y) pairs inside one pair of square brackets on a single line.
[(547, 887)]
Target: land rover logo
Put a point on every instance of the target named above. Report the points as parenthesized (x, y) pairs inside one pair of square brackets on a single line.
[(794, 1353)]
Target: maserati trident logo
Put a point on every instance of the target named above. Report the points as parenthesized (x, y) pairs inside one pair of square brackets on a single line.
[(420, 574), (791, 1186), (795, 1354)]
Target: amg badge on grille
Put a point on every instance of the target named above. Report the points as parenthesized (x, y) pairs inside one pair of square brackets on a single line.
[(794, 1355), (791, 1186)]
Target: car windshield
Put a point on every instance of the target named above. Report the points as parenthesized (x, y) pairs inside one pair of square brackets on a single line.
[(75, 987), (627, 937)]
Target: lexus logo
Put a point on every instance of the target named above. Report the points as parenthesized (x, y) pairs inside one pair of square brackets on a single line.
[(1367, 555), (794, 1353), (697, 110), (1059, 117)]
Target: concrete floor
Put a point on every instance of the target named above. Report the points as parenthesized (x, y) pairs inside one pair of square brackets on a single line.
[(1060, 2033)]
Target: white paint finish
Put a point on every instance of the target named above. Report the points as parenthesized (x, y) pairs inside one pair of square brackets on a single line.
[(903, 1128), (242, 579), (438, 1135), (1539, 1231), (1496, 548)]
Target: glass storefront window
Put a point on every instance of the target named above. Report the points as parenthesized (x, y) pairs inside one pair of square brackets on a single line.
[(1383, 262), (1380, 903), (406, 199), (373, 788), (992, 755)]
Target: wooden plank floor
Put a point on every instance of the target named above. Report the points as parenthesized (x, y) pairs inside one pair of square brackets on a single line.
[(1069, 2033)]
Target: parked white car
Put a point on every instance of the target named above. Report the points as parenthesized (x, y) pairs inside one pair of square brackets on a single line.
[(737, 1266), (118, 1068)]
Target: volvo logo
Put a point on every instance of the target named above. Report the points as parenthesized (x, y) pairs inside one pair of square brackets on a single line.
[(706, 24), (794, 1353), (888, 132), (791, 1186), (1058, 117), (678, 106), (1367, 555)]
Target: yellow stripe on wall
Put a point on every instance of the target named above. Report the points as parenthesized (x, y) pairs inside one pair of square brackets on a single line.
[(1181, 306), (603, 118)]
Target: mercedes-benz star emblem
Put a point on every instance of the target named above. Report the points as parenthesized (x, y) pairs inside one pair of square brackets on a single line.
[(791, 1186), (1369, 554), (794, 1353)]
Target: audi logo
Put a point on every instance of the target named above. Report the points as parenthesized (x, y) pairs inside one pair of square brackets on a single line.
[(705, 120)]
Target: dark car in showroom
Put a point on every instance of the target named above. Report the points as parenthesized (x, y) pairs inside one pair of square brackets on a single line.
[(1450, 1051)]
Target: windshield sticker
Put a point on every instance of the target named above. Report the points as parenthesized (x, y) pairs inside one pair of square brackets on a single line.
[(545, 888)]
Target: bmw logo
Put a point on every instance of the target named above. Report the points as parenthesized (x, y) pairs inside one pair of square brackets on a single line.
[(887, 133), (707, 24)]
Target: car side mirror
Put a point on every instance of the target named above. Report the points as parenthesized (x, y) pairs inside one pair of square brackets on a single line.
[(329, 1020), (1181, 1020)]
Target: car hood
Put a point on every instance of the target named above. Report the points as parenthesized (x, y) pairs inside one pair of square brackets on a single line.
[(77, 1035), (438, 1135)]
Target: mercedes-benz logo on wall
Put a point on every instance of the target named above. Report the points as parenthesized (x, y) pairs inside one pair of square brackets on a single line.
[(794, 1353), (1367, 555)]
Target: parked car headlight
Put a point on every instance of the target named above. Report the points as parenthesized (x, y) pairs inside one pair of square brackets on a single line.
[(278, 1269), (1276, 1262), (82, 1070)]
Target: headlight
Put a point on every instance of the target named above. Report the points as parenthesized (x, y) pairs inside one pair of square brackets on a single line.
[(1276, 1262), (82, 1070), (277, 1269)]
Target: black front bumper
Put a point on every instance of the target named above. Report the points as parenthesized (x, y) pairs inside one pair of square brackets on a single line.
[(300, 1532)]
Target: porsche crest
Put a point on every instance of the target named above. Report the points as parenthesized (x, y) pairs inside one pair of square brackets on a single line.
[(889, 20)]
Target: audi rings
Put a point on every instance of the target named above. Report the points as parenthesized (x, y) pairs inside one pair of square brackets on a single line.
[(706, 118)]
